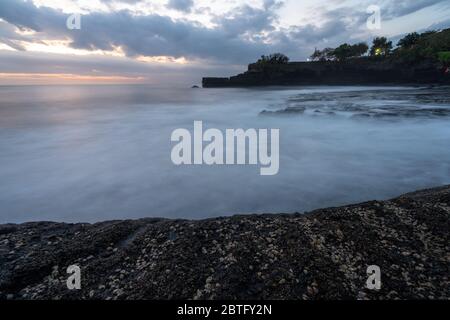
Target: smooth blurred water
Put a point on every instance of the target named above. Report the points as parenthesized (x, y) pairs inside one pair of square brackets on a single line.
[(91, 153)]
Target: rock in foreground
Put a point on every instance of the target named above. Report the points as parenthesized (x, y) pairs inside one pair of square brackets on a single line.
[(320, 255)]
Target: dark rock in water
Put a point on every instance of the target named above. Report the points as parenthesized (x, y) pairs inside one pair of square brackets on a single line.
[(319, 255), (286, 111), (377, 104), (195, 87)]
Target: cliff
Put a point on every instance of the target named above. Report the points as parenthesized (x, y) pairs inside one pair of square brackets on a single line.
[(359, 71), (319, 255)]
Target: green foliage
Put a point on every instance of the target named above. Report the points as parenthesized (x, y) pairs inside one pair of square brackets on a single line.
[(381, 47), (341, 53), (409, 41), (413, 48), (426, 46), (444, 57), (345, 51), (360, 49)]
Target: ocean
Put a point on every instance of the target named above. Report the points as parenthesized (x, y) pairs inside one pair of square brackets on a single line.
[(94, 153)]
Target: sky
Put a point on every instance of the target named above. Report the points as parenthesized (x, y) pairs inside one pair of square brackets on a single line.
[(177, 42)]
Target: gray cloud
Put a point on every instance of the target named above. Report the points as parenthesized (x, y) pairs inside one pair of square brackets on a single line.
[(398, 8), (249, 19), (30, 62), (241, 35), (151, 35), (9, 37), (25, 15), (181, 5)]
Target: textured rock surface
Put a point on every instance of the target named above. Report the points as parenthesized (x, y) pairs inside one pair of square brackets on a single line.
[(352, 72), (320, 255)]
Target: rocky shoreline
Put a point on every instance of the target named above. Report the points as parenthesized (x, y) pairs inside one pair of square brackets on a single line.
[(319, 255)]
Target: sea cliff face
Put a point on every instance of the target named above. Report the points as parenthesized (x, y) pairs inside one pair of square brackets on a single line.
[(352, 72), (319, 255)]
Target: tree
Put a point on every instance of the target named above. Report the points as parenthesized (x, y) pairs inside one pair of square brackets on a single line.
[(414, 47), (444, 57), (409, 41), (345, 51), (359, 49), (342, 52), (276, 58), (429, 33), (381, 47)]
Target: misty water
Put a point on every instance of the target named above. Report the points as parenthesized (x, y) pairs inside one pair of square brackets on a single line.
[(93, 153)]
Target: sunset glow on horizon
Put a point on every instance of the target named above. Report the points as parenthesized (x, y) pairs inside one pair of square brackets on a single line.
[(64, 78)]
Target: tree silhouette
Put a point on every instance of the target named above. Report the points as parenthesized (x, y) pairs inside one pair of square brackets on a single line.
[(409, 40), (381, 47), (345, 51), (341, 53), (275, 58)]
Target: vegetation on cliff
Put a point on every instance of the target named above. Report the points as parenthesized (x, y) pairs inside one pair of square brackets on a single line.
[(413, 48), (276, 58), (343, 52), (433, 46), (381, 47), (270, 62), (430, 45), (416, 58), (444, 57)]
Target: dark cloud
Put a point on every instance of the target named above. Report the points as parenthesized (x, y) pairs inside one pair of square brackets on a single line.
[(241, 36), (249, 19), (25, 15), (155, 35), (150, 35)]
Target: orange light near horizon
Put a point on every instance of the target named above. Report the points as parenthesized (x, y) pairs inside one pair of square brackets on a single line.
[(58, 78), (162, 59)]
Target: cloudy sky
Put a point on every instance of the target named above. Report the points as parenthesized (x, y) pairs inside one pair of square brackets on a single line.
[(179, 41)]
